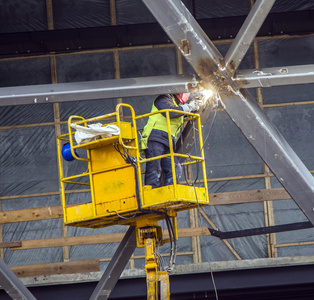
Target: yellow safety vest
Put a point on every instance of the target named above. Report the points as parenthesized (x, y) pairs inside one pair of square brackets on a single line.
[(159, 122)]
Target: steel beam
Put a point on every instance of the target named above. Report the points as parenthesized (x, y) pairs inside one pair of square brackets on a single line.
[(275, 76), (273, 148), (242, 108), (92, 90), (12, 284), (192, 41), (115, 88), (116, 266), (247, 33)]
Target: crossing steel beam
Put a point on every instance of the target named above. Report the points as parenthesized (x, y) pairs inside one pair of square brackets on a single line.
[(93, 90), (275, 76), (154, 85), (116, 266), (12, 284), (210, 66), (247, 33)]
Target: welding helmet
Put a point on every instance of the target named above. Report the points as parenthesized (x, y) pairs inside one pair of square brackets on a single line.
[(184, 97), (66, 152)]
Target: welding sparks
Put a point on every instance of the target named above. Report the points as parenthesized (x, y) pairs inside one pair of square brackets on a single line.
[(206, 95)]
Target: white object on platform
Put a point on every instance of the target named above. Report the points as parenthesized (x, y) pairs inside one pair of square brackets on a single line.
[(94, 132)]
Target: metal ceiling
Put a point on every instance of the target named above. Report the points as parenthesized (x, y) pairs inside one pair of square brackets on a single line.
[(68, 40)]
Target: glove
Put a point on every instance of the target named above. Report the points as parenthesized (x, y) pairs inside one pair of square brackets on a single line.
[(192, 106)]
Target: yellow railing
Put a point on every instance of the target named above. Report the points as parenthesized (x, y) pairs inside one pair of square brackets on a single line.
[(172, 154), (192, 159)]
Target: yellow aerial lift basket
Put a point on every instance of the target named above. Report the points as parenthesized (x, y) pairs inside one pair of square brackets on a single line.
[(118, 196), (114, 174)]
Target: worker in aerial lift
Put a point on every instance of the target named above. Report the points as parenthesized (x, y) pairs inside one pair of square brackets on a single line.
[(155, 141)]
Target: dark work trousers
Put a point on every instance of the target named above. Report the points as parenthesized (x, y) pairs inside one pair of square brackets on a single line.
[(154, 168)]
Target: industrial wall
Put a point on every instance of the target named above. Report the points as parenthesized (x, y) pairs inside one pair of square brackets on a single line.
[(29, 180)]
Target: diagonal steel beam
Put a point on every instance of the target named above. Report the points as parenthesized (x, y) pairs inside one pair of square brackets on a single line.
[(273, 148), (192, 41), (12, 284), (243, 110), (247, 33), (189, 37), (116, 266), (275, 76)]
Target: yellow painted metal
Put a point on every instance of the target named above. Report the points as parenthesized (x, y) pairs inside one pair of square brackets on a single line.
[(71, 136), (146, 228), (200, 137), (62, 189), (171, 155), (177, 197), (151, 236), (116, 185), (80, 212), (151, 269), (114, 191), (175, 227), (117, 192), (110, 177)]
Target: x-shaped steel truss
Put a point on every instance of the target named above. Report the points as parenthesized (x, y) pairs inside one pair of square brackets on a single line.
[(216, 73)]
